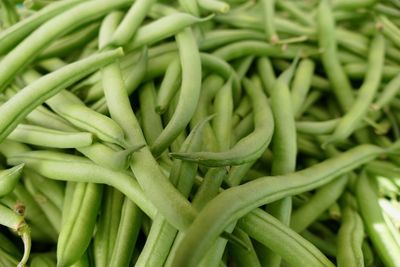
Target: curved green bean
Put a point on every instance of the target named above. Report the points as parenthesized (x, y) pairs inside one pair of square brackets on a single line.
[(189, 95), (247, 149), (16, 108), (223, 209)]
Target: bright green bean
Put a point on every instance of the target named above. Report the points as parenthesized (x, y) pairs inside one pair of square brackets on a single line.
[(169, 86), (162, 28), (189, 95), (31, 46), (221, 211), (324, 197), (383, 241), (350, 236), (366, 93), (15, 109), (60, 166), (131, 22), (12, 35), (247, 149), (77, 229), (327, 42), (107, 226), (36, 135), (67, 44)]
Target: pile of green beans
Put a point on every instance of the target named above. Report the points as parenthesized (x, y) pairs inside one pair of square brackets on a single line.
[(199, 133)]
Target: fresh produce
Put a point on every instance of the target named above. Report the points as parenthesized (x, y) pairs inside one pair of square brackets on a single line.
[(199, 133)]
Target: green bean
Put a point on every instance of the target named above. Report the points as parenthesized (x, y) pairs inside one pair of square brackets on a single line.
[(223, 108), (17, 223), (189, 95), (358, 71), (12, 35), (301, 84), (190, 6), (107, 226), (243, 257), (15, 109), (388, 93), (33, 213), (128, 231), (219, 37), (316, 127), (31, 46), (256, 48), (216, 6), (198, 238), (268, 8), (383, 241), (353, 4), (284, 148), (162, 28), (325, 246), (242, 110), (50, 210), (75, 40), (162, 234), (151, 120), (60, 166), (169, 86), (266, 73), (327, 42), (73, 241), (244, 128), (6, 259), (36, 135), (247, 149), (9, 179), (53, 190), (42, 261), (324, 197), (131, 22), (219, 66), (366, 93), (350, 236), (296, 12), (390, 30), (132, 81), (9, 247), (292, 247)]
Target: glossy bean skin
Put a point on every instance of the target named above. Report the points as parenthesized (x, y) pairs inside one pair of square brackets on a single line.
[(198, 238), (33, 95)]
